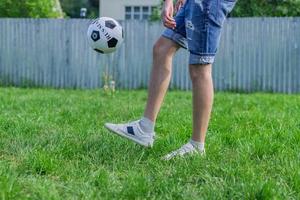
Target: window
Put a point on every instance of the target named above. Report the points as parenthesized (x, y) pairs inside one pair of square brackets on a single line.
[(145, 12), (127, 12), (138, 12)]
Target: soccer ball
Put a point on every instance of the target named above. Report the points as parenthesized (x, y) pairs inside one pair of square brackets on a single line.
[(105, 35)]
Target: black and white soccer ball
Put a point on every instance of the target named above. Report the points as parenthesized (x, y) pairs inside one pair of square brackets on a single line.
[(105, 35)]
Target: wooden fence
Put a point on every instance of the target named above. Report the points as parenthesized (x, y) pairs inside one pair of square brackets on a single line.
[(256, 54)]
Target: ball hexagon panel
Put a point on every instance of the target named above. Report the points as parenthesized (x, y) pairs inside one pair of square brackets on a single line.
[(110, 24), (95, 36), (112, 43)]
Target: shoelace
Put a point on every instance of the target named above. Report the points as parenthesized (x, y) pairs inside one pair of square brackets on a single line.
[(183, 150)]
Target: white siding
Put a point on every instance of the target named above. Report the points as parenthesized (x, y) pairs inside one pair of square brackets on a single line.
[(116, 8)]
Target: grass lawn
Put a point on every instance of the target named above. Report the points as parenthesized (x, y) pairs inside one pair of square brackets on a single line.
[(53, 146)]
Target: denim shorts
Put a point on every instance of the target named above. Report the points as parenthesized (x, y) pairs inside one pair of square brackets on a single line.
[(198, 28)]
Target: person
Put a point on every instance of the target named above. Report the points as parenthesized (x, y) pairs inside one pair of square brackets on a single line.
[(197, 27)]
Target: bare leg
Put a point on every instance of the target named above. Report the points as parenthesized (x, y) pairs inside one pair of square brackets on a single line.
[(203, 94), (163, 52)]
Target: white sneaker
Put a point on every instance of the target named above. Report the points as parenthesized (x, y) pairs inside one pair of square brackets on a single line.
[(187, 149), (132, 131)]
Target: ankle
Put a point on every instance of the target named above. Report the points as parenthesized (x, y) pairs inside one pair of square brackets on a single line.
[(146, 125), (198, 145)]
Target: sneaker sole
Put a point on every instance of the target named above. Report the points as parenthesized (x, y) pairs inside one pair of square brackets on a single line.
[(120, 133)]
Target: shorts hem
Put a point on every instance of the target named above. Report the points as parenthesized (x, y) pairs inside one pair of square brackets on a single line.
[(203, 59), (176, 37)]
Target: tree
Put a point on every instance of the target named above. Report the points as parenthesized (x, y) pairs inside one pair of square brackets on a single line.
[(31, 8), (259, 8), (268, 8), (72, 7)]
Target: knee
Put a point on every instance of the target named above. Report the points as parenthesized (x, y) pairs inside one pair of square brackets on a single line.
[(159, 49), (200, 72), (162, 48)]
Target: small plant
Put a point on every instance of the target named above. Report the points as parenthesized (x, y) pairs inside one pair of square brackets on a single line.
[(109, 85)]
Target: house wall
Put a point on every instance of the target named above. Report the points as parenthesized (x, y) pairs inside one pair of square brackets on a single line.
[(116, 8)]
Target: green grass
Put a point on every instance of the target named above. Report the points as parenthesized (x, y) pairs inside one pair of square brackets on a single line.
[(53, 146)]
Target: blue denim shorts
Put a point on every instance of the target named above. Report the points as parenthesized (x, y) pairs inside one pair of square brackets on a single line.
[(198, 28)]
